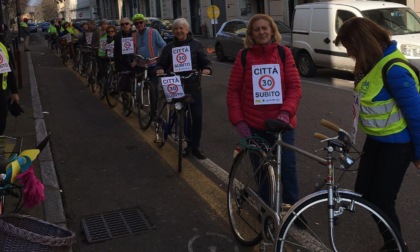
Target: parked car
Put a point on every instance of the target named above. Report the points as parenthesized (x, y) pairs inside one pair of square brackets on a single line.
[(44, 26), (315, 27), (164, 26), (32, 27), (231, 35)]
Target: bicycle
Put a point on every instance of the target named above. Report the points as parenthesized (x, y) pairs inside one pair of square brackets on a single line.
[(333, 219), (144, 97), (111, 86), (64, 50), (91, 68), (174, 118), (17, 162)]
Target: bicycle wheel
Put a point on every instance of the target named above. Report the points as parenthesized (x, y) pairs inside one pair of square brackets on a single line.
[(355, 225), (111, 92), (144, 114), (94, 85), (244, 215), (162, 123), (180, 117), (10, 198), (88, 72)]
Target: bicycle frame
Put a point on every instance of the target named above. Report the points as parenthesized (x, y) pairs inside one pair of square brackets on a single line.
[(271, 214)]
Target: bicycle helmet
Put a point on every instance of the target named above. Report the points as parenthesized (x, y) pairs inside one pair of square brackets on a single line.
[(138, 17)]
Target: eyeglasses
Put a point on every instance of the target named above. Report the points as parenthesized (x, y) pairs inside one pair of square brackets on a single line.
[(125, 23), (139, 22)]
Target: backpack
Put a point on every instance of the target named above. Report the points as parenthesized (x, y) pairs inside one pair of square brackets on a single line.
[(281, 53), (392, 61)]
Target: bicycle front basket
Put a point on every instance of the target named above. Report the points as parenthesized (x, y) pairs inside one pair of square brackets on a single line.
[(26, 233)]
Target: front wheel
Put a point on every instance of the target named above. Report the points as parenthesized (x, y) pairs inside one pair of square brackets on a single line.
[(162, 123), (357, 225), (111, 91), (244, 215), (144, 105)]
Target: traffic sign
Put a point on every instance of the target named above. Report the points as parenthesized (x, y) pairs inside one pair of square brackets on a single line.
[(213, 12)]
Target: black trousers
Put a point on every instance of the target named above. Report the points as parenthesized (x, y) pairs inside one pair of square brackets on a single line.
[(381, 173), (3, 111)]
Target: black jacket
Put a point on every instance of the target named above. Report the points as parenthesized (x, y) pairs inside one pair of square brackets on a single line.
[(122, 62), (199, 60)]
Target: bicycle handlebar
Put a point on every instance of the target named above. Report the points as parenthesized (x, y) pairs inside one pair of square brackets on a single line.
[(330, 125), (145, 58)]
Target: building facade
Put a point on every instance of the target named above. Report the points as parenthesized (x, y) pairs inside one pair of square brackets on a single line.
[(195, 11)]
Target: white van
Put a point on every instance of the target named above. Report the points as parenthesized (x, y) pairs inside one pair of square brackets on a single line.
[(315, 27)]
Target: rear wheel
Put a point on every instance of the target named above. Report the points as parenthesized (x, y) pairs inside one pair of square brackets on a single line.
[(144, 105), (94, 85), (111, 92), (162, 123), (180, 115), (244, 215)]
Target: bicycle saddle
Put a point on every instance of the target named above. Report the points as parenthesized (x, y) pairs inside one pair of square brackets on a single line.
[(276, 125)]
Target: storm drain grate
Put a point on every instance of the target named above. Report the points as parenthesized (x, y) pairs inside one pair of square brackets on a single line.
[(114, 224)]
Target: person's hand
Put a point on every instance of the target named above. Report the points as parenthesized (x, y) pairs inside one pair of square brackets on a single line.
[(284, 116), (160, 72), (14, 98), (133, 64), (417, 163), (243, 129), (206, 72)]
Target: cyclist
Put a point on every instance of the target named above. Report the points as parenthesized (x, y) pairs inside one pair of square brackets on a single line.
[(102, 55), (387, 113), (52, 33), (200, 62), (66, 29), (123, 57), (8, 91), (248, 113), (148, 43)]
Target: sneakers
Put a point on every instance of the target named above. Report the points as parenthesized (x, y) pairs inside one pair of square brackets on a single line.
[(197, 153)]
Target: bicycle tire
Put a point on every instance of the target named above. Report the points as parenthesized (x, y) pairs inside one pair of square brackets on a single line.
[(244, 218), (111, 92), (89, 67), (144, 112), (94, 86), (162, 123), (14, 196), (180, 117), (353, 230)]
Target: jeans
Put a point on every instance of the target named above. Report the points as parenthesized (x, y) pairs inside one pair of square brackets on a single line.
[(288, 164)]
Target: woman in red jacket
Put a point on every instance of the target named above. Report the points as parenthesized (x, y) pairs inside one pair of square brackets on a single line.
[(266, 89)]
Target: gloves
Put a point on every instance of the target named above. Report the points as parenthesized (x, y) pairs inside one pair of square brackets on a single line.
[(243, 129), (284, 116), (14, 108)]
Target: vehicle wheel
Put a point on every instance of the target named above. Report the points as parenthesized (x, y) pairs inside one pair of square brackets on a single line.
[(358, 225), (305, 65), (180, 138), (144, 113), (111, 92), (89, 68), (244, 217), (219, 53)]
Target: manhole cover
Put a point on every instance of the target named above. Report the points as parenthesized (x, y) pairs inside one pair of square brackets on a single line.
[(114, 224)]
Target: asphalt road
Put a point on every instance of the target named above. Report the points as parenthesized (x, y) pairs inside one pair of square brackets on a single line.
[(105, 163)]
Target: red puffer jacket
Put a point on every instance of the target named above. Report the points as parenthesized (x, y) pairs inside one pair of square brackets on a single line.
[(240, 99)]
